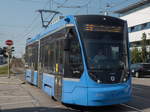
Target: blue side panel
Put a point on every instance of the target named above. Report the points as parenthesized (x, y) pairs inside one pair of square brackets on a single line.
[(28, 75), (35, 78), (48, 84), (73, 93)]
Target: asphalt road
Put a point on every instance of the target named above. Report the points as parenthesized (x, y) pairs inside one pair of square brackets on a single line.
[(17, 96)]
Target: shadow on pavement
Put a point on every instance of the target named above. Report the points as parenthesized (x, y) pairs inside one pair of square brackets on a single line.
[(37, 109), (115, 108)]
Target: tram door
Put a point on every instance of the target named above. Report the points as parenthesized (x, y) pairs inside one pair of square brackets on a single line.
[(59, 69), (58, 86)]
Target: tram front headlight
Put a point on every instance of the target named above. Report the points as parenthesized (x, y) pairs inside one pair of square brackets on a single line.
[(99, 81), (94, 77), (126, 75), (124, 79)]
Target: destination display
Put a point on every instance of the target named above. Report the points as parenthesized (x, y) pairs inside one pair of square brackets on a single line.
[(102, 28)]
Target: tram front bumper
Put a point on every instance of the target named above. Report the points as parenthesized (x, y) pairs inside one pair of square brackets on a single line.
[(108, 95)]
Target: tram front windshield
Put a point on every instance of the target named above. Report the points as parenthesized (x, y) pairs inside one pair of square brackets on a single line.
[(104, 45), (104, 53)]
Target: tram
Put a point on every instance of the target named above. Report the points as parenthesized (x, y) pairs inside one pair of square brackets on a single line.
[(64, 61)]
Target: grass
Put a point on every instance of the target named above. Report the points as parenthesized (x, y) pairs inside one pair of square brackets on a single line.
[(4, 70)]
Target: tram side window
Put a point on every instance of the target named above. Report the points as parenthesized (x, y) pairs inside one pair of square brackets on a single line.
[(40, 63), (36, 57), (26, 55), (47, 57), (51, 52), (44, 55), (75, 58), (46, 47), (30, 56), (59, 56), (51, 58)]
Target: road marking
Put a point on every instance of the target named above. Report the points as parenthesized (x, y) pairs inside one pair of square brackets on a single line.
[(138, 110), (30, 101)]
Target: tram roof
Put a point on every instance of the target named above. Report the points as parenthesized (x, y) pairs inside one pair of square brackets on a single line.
[(52, 27), (56, 26)]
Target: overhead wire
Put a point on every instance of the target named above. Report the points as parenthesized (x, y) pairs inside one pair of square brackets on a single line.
[(117, 4), (33, 1), (30, 25), (29, 29), (82, 6), (89, 1), (61, 4), (112, 5)]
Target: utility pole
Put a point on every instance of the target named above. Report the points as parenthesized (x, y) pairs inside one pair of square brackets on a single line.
[(9, 50), (9, 47), (69, 7)]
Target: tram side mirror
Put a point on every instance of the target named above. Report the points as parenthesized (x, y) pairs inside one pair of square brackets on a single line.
[(66, 44)]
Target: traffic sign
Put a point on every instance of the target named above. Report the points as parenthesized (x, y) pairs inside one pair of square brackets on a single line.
[(9, 42)]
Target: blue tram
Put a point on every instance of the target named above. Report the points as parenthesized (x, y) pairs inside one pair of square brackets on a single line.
[(64, 60)]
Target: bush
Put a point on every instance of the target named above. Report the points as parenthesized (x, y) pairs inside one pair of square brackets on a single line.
[(136, 56), (4, 70)]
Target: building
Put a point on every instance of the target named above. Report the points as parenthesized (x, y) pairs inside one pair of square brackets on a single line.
[(138, 18)]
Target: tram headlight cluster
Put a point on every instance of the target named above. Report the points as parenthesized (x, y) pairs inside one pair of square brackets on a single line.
[(99, 81), (124, 79), (126, 74), (94, 77)]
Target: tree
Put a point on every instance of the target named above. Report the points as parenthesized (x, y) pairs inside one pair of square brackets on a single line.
[(135, 56), (144, 44)]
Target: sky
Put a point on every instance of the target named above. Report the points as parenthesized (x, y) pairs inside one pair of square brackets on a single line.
[(20, 20)]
